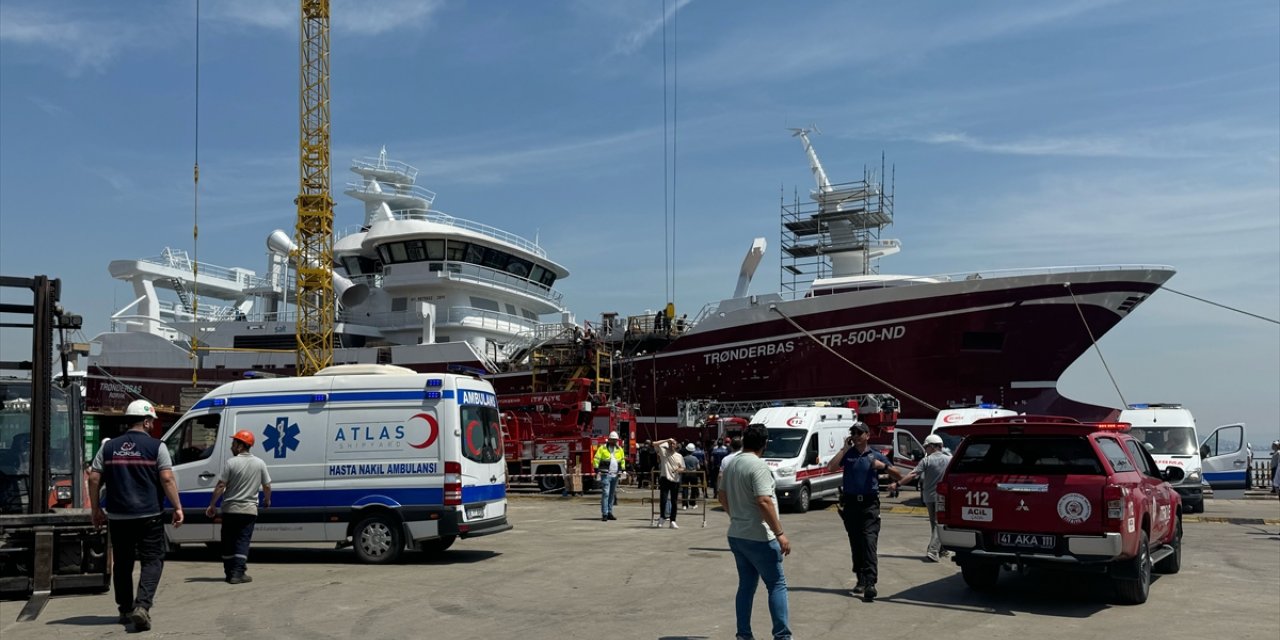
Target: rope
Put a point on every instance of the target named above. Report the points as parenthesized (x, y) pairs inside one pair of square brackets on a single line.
[(195, 220), (1095, 343), (1218, 304), (894, 388)]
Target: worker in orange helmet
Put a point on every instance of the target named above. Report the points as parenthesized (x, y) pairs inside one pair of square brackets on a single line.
[(238, 484)]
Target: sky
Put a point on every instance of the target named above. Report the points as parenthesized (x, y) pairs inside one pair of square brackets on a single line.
[(645, 154)]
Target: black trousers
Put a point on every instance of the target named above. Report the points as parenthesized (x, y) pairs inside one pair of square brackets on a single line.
[(668, 493), (237, 531), (136, 540), (862, 523)]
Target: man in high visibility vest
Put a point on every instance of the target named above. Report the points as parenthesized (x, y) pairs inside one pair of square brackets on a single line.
[(610, 463)]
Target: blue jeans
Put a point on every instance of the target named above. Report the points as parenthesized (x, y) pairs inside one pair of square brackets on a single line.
[(237, 532), (760, 561), (608, 486)]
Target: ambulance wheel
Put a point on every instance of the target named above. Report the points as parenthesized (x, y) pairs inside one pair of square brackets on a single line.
[(378, 540), (437, 546), (802, 500)]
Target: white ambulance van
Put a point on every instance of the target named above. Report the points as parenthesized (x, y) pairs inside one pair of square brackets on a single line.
[(802, 440), (1168, 431), (377, 458), (959, 416)]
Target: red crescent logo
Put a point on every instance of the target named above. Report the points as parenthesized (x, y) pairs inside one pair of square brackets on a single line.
[(470, 439), (952, 418), (435, 431)]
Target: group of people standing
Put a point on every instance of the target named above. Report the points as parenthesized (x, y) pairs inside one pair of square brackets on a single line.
[(755, 531)]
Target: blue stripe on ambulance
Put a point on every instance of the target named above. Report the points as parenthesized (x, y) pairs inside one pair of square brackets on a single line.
[(330, 398), (342, 498)]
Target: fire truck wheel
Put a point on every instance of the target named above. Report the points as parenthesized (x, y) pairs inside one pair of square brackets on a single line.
[(550, 483), (437, 546), (378, 540)]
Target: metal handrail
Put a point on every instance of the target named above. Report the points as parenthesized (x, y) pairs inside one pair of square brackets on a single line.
[(393, 189), (486, 275), (178, 259), (439, 217), (904, 280), (382, 164)]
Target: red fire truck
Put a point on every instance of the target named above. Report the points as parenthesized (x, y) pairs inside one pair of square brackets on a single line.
[(542, 433)]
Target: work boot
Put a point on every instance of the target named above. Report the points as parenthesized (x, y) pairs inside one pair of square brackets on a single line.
[(240, 579), (858, 588), (611, 517), (123, 619), (141, 619), (870, 594), (604, 518)]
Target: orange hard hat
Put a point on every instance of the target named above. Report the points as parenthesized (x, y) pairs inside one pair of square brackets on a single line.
[(244, 436)]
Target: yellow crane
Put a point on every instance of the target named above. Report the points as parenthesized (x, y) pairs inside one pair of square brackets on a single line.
[(314, 258)]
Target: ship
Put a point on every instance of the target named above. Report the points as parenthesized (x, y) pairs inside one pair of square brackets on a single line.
[(419, 288)]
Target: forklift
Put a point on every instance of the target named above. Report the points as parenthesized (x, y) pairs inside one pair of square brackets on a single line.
[(48, 544)]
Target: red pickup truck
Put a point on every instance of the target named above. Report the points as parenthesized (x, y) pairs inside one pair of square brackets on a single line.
[(1052, 492)]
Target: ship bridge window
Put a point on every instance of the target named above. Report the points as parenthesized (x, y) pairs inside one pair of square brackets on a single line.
[(398, 252), (475, 254), (528, 314), (484, 303), (435, 249), (519, 267), (495, 259), (416, 251)]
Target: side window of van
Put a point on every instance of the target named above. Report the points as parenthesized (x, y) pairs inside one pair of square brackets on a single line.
[(194, 439), (481, 434)]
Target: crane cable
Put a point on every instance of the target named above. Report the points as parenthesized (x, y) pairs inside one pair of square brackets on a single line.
[(774, 308), (1094, 340), (1218, 304), (195, 221)]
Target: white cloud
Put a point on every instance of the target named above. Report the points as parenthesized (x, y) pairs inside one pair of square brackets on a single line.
[(82, 43), (636, 38), (347, 16)]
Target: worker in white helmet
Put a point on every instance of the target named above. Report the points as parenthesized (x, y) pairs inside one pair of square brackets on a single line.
[(930, 471)]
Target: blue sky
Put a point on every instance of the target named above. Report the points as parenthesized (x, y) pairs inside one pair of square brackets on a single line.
[(1024, 135)]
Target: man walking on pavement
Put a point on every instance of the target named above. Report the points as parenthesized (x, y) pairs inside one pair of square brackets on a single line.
[(755, 534), (610, 462), (242, 475), (930, 471), (138, 473), (860, 504)]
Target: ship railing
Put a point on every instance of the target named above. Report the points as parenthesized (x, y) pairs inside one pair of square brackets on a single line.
[(370, 163), (468, 272), (393, 189), (178, 259), (438, 217), (488, 319), (213, 313)]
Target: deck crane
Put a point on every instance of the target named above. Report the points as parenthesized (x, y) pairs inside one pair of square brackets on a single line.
[(314, 259)]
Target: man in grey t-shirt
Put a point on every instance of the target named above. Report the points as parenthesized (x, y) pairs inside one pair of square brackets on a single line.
[(242, 475), (930, 471), (755, 533)]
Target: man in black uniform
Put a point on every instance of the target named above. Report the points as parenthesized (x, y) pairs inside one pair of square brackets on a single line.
[(860, 504), (138, 473)]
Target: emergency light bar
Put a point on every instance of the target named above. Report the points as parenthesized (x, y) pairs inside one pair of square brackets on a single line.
[(1119, 427)]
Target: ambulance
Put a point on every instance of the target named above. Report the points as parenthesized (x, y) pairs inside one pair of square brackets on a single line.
[(1168, 431), (958, 416), (802, 440), (374, 457)]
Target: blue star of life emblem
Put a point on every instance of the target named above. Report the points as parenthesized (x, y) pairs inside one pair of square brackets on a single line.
[(281, 437)]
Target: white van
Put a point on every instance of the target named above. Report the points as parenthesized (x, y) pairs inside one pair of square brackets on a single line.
[(374, 457), (1169, 432), (959, 416), (802, 440)]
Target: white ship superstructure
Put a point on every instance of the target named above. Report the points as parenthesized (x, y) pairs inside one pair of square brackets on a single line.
[(412, 283)]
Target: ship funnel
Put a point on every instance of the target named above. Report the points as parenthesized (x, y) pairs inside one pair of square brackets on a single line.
[(348, 293)]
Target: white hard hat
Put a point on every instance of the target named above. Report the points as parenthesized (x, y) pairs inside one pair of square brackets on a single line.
[(933, 439), (613, 435), (689, 447), (141, 408)]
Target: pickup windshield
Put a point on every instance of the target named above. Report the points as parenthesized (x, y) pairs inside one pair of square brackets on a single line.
[(1169, 441), (1028, 455)]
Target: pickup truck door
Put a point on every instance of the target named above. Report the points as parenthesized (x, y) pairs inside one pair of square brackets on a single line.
[(1156, 493), (1225, 457)]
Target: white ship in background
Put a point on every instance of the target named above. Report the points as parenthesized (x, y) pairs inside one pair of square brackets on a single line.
[(421, 286)]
